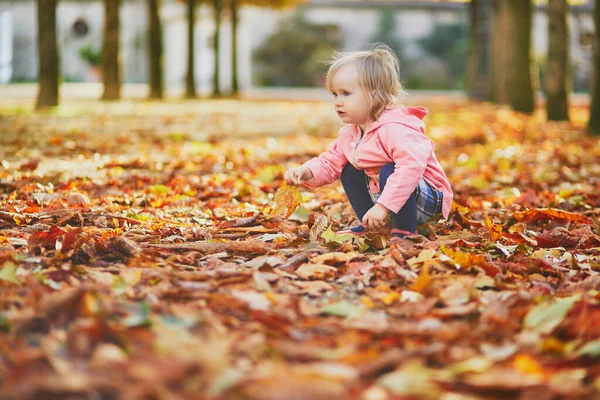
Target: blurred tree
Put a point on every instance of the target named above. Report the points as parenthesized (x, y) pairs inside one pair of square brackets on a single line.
[(594, 122), (190, 81), (156, 50), (48, 54), (110, 51), (520, 88), (512, 54), (218, 10), (233, 7), (478, 65), (557, 104), (293, 54), (500, 66), (448, 43)]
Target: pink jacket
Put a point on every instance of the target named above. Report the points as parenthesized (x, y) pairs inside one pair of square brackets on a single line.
[(398, 136)]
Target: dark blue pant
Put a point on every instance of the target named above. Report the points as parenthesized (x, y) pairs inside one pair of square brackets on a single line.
[(355, 181)]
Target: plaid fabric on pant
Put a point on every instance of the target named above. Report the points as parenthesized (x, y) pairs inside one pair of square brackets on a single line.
[(429, 201)]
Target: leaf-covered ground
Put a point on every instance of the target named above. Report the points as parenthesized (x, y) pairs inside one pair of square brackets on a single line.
[(142, 256)]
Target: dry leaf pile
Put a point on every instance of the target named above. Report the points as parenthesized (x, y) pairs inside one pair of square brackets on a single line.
[(143, 265)]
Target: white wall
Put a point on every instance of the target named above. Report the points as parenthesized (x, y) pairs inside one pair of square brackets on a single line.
[(6, 49)]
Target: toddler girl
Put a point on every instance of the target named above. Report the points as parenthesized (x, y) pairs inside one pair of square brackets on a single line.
[(384, 159)]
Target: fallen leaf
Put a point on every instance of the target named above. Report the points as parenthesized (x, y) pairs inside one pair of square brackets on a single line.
[(545, 317)]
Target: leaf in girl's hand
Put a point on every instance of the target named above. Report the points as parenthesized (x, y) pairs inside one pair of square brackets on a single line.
[(286, 200)]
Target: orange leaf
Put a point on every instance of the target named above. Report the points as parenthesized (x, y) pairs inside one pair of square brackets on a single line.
[(495, 230), (286, 200), (45, 239), (551, 213)]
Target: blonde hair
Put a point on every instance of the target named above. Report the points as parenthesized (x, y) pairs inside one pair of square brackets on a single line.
[(379, 76)]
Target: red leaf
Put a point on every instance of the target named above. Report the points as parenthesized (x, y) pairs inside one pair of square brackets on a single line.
[(45, 239), (558, 237)]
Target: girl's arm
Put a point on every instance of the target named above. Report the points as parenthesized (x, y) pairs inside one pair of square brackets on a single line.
[(410, 150), (327, 167)]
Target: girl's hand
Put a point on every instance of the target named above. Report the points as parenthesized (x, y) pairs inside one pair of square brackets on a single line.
[(374, 219), (295, 176)]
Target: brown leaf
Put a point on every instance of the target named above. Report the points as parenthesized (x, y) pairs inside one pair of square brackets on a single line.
[(321, 222), (558, 237)]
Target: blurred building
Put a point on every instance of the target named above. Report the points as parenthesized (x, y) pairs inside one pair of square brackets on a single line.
[(80, 25)]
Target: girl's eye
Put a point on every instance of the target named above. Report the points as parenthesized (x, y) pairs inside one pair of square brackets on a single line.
[(334, 94), (346, 94)]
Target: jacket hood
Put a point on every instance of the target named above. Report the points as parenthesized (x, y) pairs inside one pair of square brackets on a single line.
[(409, 116)]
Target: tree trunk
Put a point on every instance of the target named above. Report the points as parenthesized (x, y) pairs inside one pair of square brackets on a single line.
[(218, 6), (594, 122), (478, 84), (48, 54), (520, 88), (234, 68), (156, 51), (190, 81), (110, 52), (500, 65), (557, 104)]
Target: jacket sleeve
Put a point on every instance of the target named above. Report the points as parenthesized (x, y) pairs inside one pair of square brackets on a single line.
[(410, 149), (328, 166)]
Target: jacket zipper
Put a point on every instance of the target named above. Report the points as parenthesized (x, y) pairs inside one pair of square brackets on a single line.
[(355, 149)]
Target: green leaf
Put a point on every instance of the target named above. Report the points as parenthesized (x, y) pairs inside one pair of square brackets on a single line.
[(9, 273), (139, 217), (159, 189), (591, 349), (139, 317), (545, 317), (332, 237), (342, 309), (4, 324), (301, 214)]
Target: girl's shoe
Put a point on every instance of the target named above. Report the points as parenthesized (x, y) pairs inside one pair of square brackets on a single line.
[(399, 233), (357, 230)]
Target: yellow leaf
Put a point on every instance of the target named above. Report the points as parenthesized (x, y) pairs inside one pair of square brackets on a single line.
[(367, 302), (422, 281), (527, 365), (391, 298), (287, 199), (462, 258)]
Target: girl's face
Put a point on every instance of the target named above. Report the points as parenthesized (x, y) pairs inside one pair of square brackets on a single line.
[(349, 100)]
